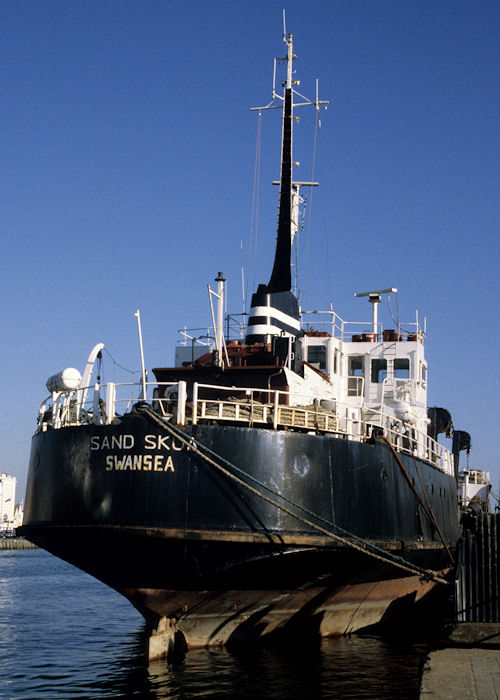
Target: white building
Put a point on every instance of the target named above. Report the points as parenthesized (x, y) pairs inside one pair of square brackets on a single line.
[(7, 498)]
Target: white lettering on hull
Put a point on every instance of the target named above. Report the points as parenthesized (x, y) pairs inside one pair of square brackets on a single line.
[(127, 442), (136, 462), (145, 463)]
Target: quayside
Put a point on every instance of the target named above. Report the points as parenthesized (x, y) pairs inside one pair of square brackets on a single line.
[(283, 477)]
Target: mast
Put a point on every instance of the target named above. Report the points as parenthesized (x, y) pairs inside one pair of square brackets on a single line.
[(274, 310), (281, 276)]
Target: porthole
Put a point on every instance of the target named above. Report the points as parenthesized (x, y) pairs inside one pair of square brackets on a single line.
[(301, 465)]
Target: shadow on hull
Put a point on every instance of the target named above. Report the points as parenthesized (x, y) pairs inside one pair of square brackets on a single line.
[(253, 593)]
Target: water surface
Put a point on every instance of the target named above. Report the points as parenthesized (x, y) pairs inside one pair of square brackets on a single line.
[(65, 635)]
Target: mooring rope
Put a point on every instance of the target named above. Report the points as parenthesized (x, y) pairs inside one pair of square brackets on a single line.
[(427, 509), (347, 539), (434, 519)]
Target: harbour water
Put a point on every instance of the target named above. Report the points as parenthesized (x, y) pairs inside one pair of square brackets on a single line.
[(63, 634)]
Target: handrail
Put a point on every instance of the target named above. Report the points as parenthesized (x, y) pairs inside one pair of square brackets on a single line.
[(302, 412), (413, 441), (325, 320)]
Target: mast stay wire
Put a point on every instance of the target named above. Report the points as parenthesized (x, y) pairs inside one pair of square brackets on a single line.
[(254, 221), (308, 230)]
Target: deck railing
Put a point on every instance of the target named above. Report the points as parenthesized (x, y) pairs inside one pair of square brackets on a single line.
[(407, 439), (104, 404), (324, 321)]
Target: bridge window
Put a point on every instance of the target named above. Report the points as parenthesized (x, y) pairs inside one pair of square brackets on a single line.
[(379, 371), (402, 368), (356, 366), (316, 356)]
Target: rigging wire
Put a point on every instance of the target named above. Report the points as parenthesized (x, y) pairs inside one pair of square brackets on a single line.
[(308, 232), (495, 496), (428, 511), (396, 320), (300, 228), (254, 221), (117, 364)]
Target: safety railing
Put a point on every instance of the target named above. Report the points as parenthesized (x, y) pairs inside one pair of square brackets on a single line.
[(330, 322), (103, 404), (323, 321), (272, 407), (99, 404), (406, 438), (259, 407)]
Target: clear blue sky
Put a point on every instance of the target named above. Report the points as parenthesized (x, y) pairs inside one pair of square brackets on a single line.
[(127, 174)]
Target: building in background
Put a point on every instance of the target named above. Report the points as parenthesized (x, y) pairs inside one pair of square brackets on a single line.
[(8, 502), (18, 515)]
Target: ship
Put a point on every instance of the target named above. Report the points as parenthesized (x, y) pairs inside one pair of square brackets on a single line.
[(283, 479)]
